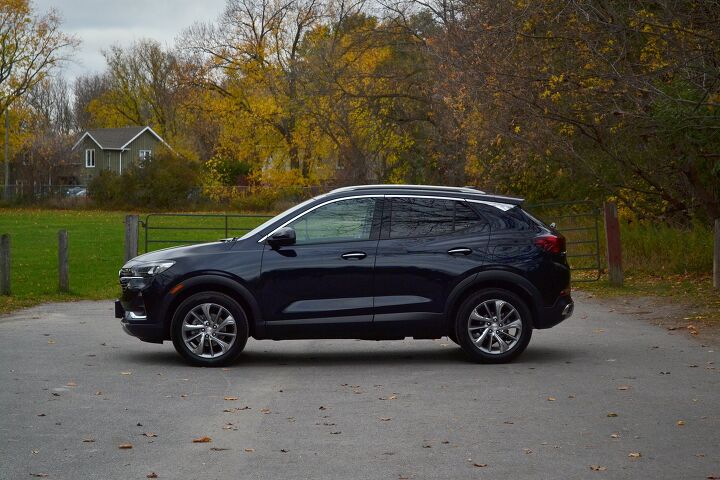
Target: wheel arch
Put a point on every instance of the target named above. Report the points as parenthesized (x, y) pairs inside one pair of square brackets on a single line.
[(213, 283), (501, 279)]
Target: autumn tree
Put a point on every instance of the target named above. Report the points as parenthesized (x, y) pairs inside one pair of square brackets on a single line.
[(30, 46)]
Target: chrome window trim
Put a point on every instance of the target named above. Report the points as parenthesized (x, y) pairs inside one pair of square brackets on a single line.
[(498, 205), (285, 224)]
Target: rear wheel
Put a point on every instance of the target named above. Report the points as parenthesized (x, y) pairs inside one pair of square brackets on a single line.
[(209, 329), (493, 326)]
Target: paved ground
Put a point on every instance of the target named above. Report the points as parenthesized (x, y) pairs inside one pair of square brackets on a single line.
[(74, 388)]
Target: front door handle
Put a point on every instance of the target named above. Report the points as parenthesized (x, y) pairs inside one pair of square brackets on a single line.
[(354, 255), (460, 251)]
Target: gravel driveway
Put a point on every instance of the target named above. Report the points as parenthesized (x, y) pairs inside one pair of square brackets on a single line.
[(604, 395)]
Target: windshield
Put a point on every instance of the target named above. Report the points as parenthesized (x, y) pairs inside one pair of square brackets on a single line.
[(266, 224)]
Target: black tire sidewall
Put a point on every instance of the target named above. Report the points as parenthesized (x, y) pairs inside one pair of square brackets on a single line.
[(233, 307), (463, 316)]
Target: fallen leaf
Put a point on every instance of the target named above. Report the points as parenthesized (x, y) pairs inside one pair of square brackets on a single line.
[(98, 392), (597, 468), (612, 414), (152, 475), (125, 446), (71, 384), (249, 450), (445, 442), (508, 423), (265, 411), (335, 433), (322, 408), (634, 455), (284, 451), (41, 475), (391, 397), (218, 449), (55, 394), (551, 399), (680, 423), (427, 446), (623, 387), (50, 342), (149, 434), (481, 465), (202, 440), (614, 435), (230, 399), (125, 373), (35, 452), (571, 396), (527, 451), (385, 419), (88, 440), (41, 415)]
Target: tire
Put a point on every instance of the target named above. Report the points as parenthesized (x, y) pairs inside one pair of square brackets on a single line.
[(214, 319), (501, 341)]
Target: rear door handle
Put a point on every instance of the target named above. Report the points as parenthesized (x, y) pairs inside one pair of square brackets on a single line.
[(460, 251), (354, 255)]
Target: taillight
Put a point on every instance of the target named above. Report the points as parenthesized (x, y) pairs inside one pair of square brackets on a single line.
[(551, 243)]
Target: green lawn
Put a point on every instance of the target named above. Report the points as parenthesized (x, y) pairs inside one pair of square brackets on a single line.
[(96, 249)]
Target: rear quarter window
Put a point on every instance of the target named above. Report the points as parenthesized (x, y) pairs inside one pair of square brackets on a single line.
[(511, 219)]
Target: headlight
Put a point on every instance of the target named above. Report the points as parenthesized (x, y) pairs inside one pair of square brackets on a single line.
[(146, 269)]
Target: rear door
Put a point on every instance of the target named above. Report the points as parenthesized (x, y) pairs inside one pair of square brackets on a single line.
[(322, 285), (427, 246)]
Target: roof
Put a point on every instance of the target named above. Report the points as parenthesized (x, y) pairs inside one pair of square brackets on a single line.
[(115, 138), (463, 192), (409, 187)]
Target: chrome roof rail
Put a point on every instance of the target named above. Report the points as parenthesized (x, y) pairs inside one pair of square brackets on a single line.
[(410, 187)]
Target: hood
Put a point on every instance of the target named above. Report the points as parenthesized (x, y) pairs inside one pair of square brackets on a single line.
[(174, 253)]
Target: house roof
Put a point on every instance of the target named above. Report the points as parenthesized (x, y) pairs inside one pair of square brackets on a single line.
[(115, 138)]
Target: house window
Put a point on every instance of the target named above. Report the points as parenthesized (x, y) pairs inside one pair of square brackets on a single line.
[(90, 158), (145, 154)]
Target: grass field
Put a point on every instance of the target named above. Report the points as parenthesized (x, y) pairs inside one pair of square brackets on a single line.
[(95, 249)]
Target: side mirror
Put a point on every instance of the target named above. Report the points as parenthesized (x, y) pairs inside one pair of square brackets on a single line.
[(282, 238)]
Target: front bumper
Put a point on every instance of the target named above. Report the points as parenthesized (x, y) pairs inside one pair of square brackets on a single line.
[(136, 323), (550, 316)]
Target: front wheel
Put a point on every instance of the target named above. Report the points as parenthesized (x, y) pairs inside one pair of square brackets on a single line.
[(493, 326), (209, 329)]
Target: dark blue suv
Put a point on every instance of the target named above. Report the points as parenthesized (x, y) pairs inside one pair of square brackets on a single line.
[(374, 262)]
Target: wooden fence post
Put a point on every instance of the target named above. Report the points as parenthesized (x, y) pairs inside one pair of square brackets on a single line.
[(5, 264), (716, 259), (614, 249), (63, 268), (131, 236)]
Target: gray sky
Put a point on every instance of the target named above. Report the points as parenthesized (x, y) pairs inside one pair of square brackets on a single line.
[(102, 23)]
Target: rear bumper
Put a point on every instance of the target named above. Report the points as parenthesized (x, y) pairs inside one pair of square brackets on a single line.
[(550, 316)]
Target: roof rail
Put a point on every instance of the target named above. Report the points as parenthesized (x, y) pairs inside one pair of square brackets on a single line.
[(410, 187)]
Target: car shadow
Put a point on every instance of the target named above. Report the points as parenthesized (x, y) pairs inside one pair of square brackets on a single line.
[(256, 357)]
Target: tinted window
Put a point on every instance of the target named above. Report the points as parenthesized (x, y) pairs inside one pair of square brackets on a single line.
[(341, 221), (511, 219), (424, 217)]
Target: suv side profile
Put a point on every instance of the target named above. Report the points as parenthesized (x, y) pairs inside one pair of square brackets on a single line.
[(374, 262)]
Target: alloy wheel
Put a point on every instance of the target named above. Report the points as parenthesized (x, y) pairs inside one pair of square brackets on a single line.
[(495, 326), (209, 330)]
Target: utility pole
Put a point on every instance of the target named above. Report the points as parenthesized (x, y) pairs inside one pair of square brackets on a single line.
[(6, 191)]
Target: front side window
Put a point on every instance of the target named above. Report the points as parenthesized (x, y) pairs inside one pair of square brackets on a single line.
[(427, 217), (90, 158), (341, 221)]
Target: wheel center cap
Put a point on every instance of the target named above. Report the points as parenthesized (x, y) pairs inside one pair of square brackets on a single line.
[(494, 326), (208, 329)]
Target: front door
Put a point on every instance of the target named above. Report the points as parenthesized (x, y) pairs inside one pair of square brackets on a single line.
[(321, 287)]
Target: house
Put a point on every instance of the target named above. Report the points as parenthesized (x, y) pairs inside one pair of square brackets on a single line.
[(113, 149)]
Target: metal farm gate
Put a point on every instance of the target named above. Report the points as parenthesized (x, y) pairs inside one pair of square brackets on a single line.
[(161, 230), (580, 223)]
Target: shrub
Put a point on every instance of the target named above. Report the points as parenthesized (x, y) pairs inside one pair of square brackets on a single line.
[(163, 182)]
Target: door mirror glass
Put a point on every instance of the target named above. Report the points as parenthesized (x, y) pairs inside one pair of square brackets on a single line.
[(282, 237)]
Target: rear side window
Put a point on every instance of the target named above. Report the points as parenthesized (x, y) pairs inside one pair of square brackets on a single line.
[(426, 217), (510, 219)]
